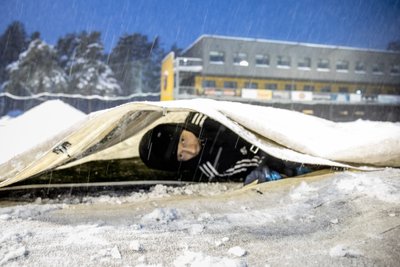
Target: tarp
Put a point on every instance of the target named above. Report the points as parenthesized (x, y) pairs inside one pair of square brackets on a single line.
[(293, 136)]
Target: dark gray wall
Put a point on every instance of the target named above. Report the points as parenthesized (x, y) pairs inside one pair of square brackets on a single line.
[(202, 47)]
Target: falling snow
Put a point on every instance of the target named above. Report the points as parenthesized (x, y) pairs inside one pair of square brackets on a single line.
[(345, 218)]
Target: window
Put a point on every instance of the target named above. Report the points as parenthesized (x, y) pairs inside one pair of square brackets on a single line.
[(262, 60), (360, 67), (283, 62), (343, 89), (377, 68), (208, 84), (304, 63), (240, 59), (251, 85), (217, 57), (271, 86), (395, 69), (326, 89), (323, 64), (342, 66), (230, 84), (309, 88), (290, 87)]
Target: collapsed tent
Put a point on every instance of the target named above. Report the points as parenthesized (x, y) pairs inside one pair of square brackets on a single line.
[(293, 136)]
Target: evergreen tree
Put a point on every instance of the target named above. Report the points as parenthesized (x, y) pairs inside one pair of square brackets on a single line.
[(36, 71), (153, 67), (65, 48), (136, 62), (177, 51), (89, 75), (12, 43)]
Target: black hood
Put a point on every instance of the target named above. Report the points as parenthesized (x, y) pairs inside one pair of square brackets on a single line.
[(158, 147)]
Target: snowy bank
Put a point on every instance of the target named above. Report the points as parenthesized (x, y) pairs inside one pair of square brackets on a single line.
[(339, 219)]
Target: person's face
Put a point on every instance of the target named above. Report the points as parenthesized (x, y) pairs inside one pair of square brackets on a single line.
[(188, 146)]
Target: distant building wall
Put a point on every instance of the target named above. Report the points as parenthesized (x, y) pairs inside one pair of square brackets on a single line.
[(296, 61)]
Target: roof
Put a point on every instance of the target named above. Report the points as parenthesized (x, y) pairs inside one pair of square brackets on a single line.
[(204, 36)]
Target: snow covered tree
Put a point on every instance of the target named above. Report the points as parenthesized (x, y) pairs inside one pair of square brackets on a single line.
[(89, 75), (36, 71), (65, 48), (12, 42), (136, 62)]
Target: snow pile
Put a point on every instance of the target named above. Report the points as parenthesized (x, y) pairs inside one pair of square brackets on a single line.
[(370, 185), (162, 191), (27, 212), (36, 126)]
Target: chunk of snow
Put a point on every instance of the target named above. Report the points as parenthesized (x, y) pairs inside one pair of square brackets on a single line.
[(343, 251), (161, 215), (13, 254), (237, 251), (222, 241), (135, 246), (196, 229), (334, 221), (115, 254)]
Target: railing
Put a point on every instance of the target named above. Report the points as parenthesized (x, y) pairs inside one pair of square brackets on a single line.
[(286, 96)]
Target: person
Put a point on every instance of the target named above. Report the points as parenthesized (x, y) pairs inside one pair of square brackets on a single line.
[(208, 150)]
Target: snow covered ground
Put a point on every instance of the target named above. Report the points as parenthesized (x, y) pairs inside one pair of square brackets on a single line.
[(341, 219)]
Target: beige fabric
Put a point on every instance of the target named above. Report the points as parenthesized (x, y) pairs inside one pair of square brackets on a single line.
[(115, 133)]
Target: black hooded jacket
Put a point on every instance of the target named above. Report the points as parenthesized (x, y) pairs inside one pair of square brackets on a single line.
[(224, 154)]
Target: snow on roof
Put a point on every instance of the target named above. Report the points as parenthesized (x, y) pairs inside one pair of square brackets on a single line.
[(204, 36), (35, 126)]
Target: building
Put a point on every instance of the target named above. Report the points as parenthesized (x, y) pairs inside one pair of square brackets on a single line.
[(273, 72)]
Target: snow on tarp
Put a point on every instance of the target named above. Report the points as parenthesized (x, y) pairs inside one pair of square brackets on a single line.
[(115, 133)]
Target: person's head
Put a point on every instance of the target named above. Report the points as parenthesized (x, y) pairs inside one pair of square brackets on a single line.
[(188, 146), (168, 146)]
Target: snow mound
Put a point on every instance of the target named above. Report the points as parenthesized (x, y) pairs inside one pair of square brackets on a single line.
[(27, 212), (36, 126), (370, 185)]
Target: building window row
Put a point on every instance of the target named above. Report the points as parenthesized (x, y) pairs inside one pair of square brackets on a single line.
[(285, 62), (271, 86)]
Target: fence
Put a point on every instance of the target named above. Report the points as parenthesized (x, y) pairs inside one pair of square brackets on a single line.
[(12, 103), (332, 110)]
